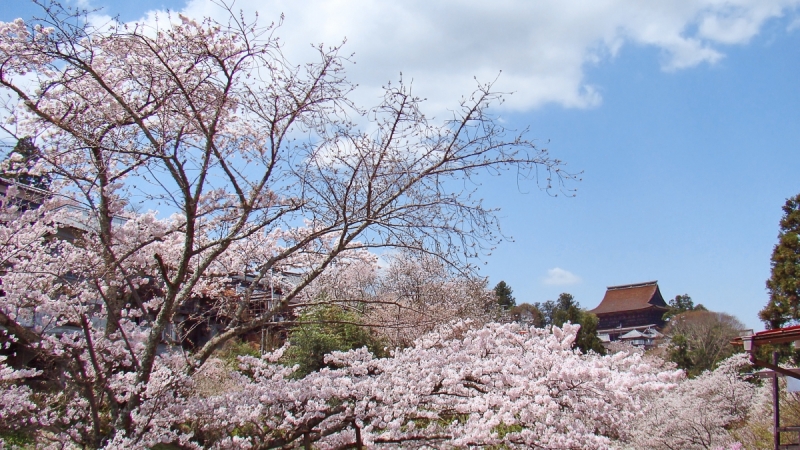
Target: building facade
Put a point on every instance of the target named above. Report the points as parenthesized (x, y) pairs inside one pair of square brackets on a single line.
[(627, 308)]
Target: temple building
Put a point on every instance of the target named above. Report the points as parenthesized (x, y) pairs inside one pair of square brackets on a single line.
[(631, 312)]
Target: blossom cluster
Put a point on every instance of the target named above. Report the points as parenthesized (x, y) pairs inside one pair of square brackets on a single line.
[(458, 387)]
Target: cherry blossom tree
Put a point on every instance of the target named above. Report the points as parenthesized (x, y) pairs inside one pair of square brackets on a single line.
[(701, 411), (499, 385), (17, 407), (418, 293), (256, 168)]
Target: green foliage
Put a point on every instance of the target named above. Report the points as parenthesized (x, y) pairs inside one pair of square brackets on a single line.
[(503, 294), (547, 309), (18, 439), (784, 282), (323, 329), (566, 309), (587, 336), (786, 353), (679, 354), (681, 304), (502, 430), (233, 349)]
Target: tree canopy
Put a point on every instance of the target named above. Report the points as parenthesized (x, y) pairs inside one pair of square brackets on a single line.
[(502, 292), (567, 309), (681, 304), (783, 284), (323, 329), (700, 339)]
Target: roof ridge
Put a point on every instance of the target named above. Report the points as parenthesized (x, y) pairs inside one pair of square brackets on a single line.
[(632, 285)]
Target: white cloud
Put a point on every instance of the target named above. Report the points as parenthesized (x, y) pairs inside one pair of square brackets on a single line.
[(560, 277), (542, 47)]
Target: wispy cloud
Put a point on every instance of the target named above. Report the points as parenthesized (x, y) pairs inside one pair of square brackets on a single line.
[(560, 277)]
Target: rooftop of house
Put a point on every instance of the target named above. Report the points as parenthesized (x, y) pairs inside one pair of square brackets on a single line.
[(25, 193), (622, 330), (649, 333), (631, 297)]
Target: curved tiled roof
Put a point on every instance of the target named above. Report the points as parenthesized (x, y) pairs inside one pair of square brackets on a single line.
[(631, 297)]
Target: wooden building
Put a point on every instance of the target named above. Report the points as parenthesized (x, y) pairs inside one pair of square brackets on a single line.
[(196, 321), (629, 307)]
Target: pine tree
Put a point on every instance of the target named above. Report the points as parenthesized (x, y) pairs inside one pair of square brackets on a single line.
[(784, 282), (503, 294)]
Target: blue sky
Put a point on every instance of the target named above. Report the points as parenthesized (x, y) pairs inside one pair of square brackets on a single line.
[(683, 117)]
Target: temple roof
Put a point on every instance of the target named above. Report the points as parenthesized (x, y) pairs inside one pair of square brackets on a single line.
[(631, 297), (633, 334)]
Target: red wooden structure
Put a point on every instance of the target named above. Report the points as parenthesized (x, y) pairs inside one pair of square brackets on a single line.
[(637, 307), (751, 344)]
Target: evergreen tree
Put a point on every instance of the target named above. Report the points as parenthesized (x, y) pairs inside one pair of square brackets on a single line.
[(784, 282), (587, 338), (503, 294), (679, 353), (566, 309), (681, 304), (20, 161), (323, 329), (548, 310)]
